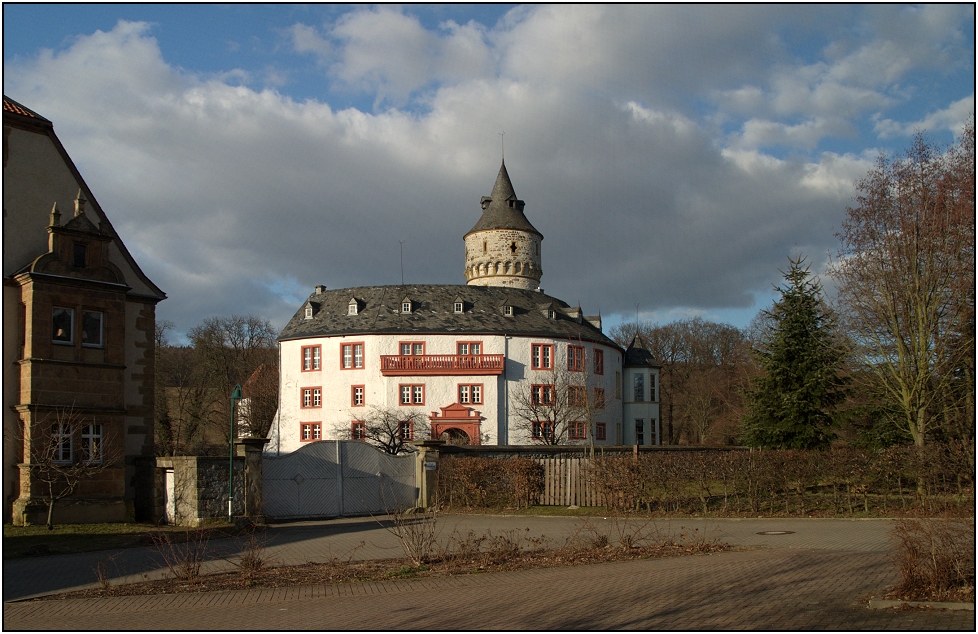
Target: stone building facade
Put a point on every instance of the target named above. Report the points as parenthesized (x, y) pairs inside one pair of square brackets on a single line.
[(79, 325)]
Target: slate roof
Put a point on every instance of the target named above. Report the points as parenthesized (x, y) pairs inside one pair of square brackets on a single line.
[(433, 312), (638, 354), (502, 209)]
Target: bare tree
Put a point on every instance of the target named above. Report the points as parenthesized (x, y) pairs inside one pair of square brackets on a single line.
[(65, 449), (906, 280), (556, 407), (387, 428), (704, 366), (183, 399), (229, 350)]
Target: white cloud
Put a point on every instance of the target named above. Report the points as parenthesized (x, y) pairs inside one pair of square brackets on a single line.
[(235, 199), (951, 119)]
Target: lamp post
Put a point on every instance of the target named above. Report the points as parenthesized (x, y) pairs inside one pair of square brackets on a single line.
[(235, 396)]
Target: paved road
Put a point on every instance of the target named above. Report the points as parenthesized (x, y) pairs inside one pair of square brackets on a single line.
[(818, 576)]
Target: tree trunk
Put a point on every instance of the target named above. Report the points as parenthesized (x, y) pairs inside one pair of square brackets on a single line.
[(50, 523)]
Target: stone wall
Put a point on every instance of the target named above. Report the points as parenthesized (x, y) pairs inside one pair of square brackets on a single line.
[(200, 485)]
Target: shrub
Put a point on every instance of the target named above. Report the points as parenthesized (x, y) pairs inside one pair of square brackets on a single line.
[(488, 482), (936, 559)]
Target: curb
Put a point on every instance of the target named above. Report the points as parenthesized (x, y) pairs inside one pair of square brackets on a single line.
[(882, 604)]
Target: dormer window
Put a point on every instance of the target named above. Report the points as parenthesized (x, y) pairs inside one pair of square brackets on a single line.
[(508, 311), (459, 307), (551, 314), (353, 307), (308, 311), (79, 255), (406, 306)]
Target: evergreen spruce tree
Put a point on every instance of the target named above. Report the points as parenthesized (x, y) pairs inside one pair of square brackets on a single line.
[(791, 404)]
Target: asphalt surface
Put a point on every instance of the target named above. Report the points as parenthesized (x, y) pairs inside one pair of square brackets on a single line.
[(800, 574)]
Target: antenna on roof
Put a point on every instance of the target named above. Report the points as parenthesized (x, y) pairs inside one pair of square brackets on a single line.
[(401, 242)]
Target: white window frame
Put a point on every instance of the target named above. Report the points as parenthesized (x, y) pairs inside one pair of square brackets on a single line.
[(91, 435), (62, 443), (99, 343), (70, 341)]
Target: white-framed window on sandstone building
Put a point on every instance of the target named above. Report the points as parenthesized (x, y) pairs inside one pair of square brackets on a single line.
[(62, 442), (357, 398), (63, 322), (91, 448), (92, 329)]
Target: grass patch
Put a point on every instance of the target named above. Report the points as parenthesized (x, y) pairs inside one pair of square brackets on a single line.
[(35, 541)]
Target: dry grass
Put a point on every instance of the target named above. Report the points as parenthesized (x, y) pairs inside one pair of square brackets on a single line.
[(936, 559), (461, 554)]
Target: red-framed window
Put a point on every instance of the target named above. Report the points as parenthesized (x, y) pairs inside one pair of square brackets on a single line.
[(411, 394), (598, 361), (577, 430), (542, 394), (312, 397), (351, 356), (309, 432), (468, 347), (575, 358), (543, 429), (407, 348), (577, 396), (312, 358), (600, 431), (405, 430), (599, 398), (543, 356), (358, 430), (470, 394), (358, 395)]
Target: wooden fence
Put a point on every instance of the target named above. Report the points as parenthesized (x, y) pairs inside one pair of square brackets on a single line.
[(566, 482)]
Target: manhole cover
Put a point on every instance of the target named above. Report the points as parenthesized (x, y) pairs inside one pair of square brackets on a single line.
[(776, 533)]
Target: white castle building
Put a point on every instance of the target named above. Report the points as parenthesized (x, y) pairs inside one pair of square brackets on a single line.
[(475, 362)]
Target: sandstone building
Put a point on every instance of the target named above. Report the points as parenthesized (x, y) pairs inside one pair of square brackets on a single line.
[(78, 337)]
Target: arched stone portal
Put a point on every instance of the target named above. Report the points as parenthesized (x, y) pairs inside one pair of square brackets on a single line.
[(457, 420), (455, 436)]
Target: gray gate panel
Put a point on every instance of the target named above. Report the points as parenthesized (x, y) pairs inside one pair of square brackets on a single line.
[(304, 483)]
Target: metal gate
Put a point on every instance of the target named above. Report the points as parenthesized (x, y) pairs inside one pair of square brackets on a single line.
[(332, 478)]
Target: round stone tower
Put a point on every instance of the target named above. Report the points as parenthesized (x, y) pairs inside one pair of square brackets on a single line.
[(503, 248)]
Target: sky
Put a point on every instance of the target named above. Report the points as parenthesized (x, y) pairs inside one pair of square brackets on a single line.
[(673, 156)]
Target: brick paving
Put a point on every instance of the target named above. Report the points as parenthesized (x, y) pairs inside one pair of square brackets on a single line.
[(821, 579)]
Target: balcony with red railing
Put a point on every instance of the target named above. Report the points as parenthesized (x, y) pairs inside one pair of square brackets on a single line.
[(441, 364)]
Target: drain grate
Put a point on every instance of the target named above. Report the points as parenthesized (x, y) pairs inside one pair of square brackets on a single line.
[(776, 533)]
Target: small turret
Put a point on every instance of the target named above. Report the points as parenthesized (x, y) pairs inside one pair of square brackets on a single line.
[(503, 248)]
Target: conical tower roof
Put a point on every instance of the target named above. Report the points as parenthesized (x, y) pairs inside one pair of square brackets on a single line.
[(638, 354), (501, 209)]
